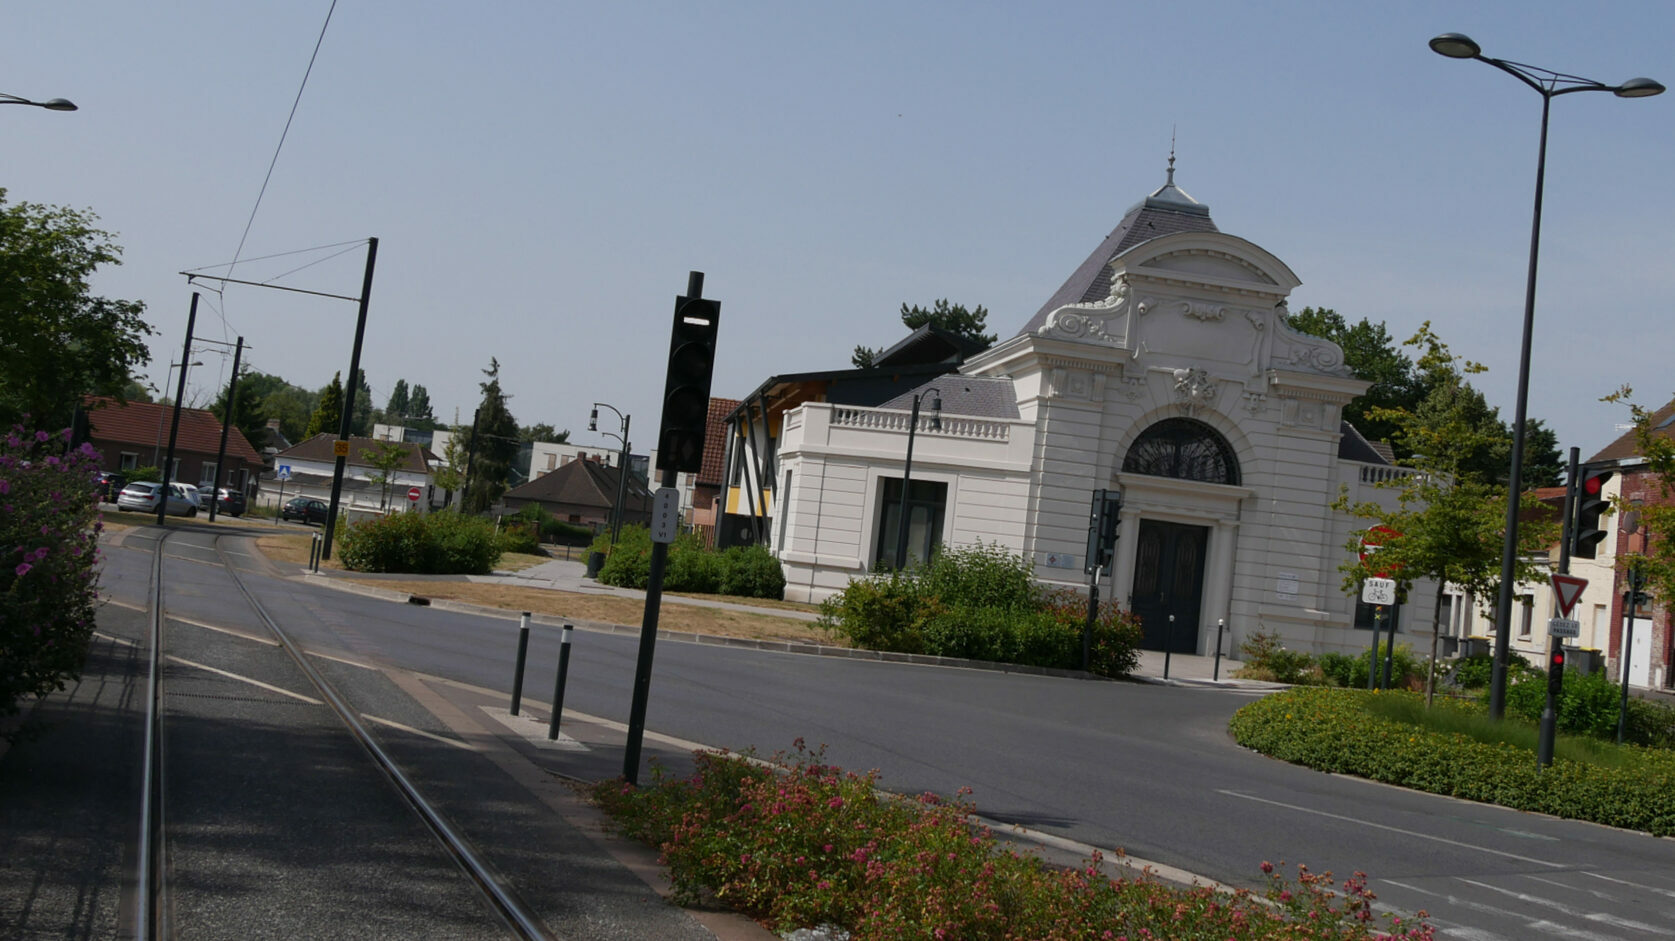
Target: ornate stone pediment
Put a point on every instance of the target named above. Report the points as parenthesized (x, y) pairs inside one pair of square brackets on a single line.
[(1104, 322)]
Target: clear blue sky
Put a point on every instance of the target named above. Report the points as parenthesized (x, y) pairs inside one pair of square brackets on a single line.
[(542, 176)]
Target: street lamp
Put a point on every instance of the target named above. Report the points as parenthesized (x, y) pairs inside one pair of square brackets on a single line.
[(1548, 85), (907, 467), (51, 104), (158, 444), (622, 462)]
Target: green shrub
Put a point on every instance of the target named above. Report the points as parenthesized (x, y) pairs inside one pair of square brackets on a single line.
[(1588, 704), (518, 535), (693, 567), (49, 524), (628, 562), (1334, 730), (979, 576), (1406, 670), (1266, 658), (1650, 723), (751, 572), (144, 474), (420, 543), (884, 612), (928, 609)]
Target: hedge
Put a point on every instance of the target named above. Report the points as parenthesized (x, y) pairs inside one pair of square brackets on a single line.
[(1331, 730)]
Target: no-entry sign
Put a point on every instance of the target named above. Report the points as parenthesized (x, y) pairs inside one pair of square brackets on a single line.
[(413, 494)]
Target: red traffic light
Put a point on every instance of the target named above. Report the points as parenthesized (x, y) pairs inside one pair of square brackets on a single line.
[(1558, 657), (1593, 485)]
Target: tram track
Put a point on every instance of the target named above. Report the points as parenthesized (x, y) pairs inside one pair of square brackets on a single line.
[(150, 908)]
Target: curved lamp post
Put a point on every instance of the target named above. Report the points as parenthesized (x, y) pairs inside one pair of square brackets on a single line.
[(622, 461), (907, 467), (1548, 85), (51, 104), (157, 446)]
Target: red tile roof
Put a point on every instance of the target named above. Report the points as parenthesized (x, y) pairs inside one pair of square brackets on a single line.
[(137, 423), (715, 441)]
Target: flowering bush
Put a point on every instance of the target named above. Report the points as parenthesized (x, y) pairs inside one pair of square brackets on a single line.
[(809, 844), (49, 523)]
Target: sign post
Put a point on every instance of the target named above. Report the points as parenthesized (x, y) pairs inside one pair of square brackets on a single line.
[(1566, 590)]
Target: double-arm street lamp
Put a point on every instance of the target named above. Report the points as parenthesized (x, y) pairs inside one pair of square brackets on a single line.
[(51, 104), (622, 461), (1548, 85), (907, 467)]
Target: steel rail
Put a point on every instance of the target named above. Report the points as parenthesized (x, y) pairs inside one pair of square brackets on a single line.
[(146, 910), (496, 892)]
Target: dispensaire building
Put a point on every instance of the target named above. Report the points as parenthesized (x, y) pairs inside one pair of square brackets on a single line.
[(1164, 369)]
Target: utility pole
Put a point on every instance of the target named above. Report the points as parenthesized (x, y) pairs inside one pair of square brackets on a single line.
[(226, 424)]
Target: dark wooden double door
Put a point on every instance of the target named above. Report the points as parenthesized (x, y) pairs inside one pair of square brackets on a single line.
[(1169, 580)]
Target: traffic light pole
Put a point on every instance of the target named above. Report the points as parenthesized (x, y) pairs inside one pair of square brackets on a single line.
[(1555, 645), (680, 448)]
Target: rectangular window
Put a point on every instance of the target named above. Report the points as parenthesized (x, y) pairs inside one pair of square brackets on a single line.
[(1445, 616), (206, 474), (174, 470), (129, 460), (1526, 614), (927, 502)]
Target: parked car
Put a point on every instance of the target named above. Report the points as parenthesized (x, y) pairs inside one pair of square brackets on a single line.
[(110, 483), (307, 509), (230, 502), (144, 495)]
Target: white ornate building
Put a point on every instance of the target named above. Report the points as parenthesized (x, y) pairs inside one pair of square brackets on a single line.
[(1163, 368)]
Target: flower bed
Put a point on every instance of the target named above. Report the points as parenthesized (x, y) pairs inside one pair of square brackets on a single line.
[(807, 844), (1331, 730)]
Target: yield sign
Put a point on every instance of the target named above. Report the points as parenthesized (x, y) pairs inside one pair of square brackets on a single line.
[(1567, 588)]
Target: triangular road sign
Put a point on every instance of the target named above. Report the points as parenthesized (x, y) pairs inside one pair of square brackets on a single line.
[(1567, 588)]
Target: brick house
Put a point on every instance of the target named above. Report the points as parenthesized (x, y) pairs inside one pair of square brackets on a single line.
[(1601, 609), (136, 434), (583, 492)]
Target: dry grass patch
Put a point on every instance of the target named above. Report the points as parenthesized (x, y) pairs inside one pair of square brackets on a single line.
[(673, 616)]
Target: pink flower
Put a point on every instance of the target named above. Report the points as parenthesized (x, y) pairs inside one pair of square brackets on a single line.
[(23, 569)]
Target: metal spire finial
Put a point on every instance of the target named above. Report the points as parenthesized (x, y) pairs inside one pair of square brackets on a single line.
[(1171, 180)]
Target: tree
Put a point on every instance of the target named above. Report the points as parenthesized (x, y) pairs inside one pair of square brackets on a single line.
[(419, 415), (328, 415), (1451, 511), (59, 341), (386, 458), (1372, 355), (1656, 555), (395, 410), (955, 318), (248, 417), (451, 475), (493, 447), (543, 432), (360, 422)]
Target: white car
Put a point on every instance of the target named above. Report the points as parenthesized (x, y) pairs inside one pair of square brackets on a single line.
[(142, 496)]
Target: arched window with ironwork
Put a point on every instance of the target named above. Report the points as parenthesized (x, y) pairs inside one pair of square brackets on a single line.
[(1185, 449)]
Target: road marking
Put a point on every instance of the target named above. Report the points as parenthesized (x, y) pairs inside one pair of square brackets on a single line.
[(1607, 918), (245, 679), (226, 630), (1380, 826), (421, 732), (116, 640), (1574, 888), (533, 730), (1633, 885)]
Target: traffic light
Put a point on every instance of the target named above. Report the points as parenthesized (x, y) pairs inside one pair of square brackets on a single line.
[(1586, 534), (1555, 668), (686, 390), (1102, 529)]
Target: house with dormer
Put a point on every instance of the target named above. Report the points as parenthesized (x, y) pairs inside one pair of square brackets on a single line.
[(1164, 369)]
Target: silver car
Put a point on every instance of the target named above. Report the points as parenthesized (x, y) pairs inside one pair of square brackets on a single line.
[(142, 496)]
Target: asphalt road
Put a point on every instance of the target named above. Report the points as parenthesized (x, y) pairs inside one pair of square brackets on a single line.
[(1148, 769)]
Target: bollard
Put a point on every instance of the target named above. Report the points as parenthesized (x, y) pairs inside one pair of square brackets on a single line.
[(314, 552), (1372, 661), (523, 653), (1216, 674), (558, 684), (1168, 646)]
